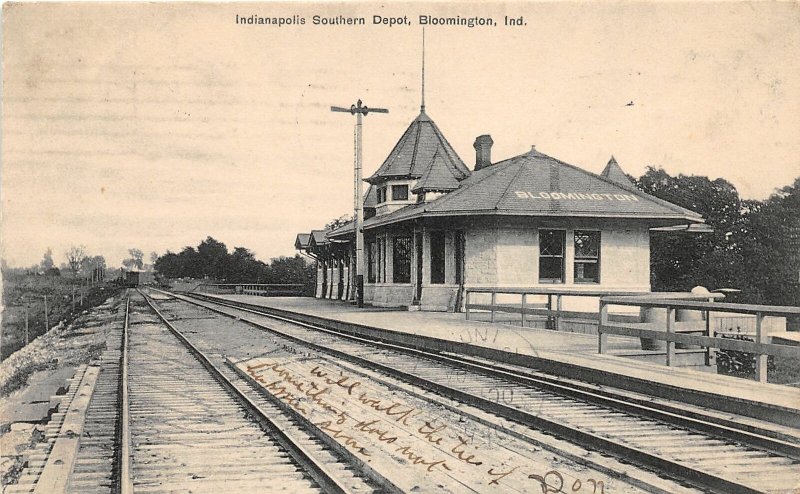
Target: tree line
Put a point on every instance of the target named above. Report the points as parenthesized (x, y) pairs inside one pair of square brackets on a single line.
[(78, 264), (755, 245), (211, 259)]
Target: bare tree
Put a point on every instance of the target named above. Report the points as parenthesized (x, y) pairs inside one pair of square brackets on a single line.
[(75, 256)]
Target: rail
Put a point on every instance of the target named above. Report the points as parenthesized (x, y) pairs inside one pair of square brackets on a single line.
[(125, 481), (394, 360), (673, 332), (259, 289), (321, 472)]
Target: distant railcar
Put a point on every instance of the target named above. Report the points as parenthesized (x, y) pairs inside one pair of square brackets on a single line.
[(132, 278)]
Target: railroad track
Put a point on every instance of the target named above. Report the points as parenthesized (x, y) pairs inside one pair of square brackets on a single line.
[(181, 402), (166, 418), (706, 450)]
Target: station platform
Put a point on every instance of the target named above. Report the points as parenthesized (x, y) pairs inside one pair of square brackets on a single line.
[(575, 353)]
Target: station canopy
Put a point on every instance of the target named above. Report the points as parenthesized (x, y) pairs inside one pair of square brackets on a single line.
[(317, 238), (302, 241)]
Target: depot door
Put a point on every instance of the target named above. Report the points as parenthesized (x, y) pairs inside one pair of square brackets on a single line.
[(458, 254), (418, 286), (324, 279)]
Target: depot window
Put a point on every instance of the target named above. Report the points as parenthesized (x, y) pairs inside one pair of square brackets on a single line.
[(381, 195), (380, 254), (551, 256), (371, 261), (401, 260), (437, 257), (587, 256), (399, 192)]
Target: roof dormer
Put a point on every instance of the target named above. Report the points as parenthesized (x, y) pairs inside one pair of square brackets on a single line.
[(392, 195)]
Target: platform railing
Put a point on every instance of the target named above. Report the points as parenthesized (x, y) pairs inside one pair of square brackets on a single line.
[(259, 289), (673, 332), (552, 310)]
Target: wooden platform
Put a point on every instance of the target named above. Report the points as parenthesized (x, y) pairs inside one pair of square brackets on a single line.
[(577, 353)]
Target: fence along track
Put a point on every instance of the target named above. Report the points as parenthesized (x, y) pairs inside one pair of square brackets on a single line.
[(703, 453), (289, 439)]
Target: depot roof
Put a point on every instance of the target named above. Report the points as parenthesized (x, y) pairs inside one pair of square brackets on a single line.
[(534, 184), (423, 153)]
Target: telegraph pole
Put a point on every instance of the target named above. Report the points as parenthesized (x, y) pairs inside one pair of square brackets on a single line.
[(46, 316), (358, 217), (27, 333)]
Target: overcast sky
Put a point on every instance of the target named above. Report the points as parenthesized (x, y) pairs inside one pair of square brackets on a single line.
[(155, 125)]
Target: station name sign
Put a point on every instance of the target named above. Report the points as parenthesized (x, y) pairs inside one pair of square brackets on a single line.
[(576, 196)]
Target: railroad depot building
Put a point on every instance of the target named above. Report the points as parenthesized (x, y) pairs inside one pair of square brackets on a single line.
[(434, 227)]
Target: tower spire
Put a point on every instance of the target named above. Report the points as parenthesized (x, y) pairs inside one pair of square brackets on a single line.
[(422, 106)]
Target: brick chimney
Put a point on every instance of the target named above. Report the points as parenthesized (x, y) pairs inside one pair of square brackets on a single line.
[(483, 151)]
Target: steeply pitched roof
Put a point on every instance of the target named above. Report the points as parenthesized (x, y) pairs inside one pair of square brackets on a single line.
[(371, 197), (534, 184), (301, 242), (438, 176), (413, 154), (614, 172)]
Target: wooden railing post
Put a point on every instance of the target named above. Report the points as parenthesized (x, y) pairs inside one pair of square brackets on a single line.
[(466, 305), (761, 359), (558, 312), (709, 359), (602, 338), (494, 300), (524, 299), (549, 324), (761, 349), (670, 330)]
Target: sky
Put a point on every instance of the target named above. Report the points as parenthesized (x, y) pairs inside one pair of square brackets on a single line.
[(153, 126)]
